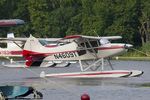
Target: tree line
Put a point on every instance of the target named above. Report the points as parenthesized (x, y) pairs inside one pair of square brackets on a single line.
[(58, 18)]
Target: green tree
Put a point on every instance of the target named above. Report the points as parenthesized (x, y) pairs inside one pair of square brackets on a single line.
[(38, 10), (144, 27), (125, 21)]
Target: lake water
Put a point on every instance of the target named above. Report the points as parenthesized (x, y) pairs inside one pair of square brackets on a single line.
[(133, 88)]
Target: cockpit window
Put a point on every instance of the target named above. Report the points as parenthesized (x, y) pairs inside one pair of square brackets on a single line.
[(43, 42), (104, 41), (94, 43), (82, 44), (89, 44)]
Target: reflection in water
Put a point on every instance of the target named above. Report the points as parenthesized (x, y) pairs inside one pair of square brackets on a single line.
[(145, 85), (133, 88), (52, 82)]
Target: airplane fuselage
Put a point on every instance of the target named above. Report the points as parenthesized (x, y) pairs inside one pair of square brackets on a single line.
[(71, 51)]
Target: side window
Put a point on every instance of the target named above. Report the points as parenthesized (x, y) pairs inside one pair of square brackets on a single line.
[(3, 45), (87, 45), (94, 43), (43, 42), (82, 45)]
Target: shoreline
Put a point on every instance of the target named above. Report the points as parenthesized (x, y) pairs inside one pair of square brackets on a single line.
[(132, 58)]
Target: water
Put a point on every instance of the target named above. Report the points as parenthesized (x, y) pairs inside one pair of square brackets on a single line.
[(134, 88)]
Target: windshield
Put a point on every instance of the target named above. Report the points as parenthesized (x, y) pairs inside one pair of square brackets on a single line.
[(104, 41)]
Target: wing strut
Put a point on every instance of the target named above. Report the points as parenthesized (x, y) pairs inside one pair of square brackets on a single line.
[(110, 64), (18, 45), (95, 55)]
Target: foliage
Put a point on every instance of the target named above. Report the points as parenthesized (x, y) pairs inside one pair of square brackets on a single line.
[(58, 18)]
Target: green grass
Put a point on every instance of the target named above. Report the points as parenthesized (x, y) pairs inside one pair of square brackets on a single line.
[(139, 53), (145, 85)]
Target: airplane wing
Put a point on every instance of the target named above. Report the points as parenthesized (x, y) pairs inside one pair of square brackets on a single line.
[(106, 37), (74, 37), (92, 37), (13, 39), (25, 39)]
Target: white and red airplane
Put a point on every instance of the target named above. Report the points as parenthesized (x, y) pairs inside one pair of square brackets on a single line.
[(78, 48), (14, 46), (72, 48), (11, 48)]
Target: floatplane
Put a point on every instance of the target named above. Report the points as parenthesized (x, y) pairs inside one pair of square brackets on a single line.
[(81, 49), (12, 49)]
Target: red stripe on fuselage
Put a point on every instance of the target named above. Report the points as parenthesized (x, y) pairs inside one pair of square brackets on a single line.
[(6, 52), (16, 52), (26, 52)]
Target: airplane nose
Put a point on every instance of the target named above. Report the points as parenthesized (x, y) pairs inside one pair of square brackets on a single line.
[(127, 46)]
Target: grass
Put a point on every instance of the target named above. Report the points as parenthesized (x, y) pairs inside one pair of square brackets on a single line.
[(145, 85), (132, 58), (140, 53)]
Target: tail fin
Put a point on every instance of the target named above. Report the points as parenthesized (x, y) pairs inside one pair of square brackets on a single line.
[(11, 45), (32, 52), (33, 45)]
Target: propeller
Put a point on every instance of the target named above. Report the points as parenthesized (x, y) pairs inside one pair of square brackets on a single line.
[(128, 46)]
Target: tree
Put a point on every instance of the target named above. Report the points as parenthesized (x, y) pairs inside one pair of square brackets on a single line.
[(125, 21), (144, 27)]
